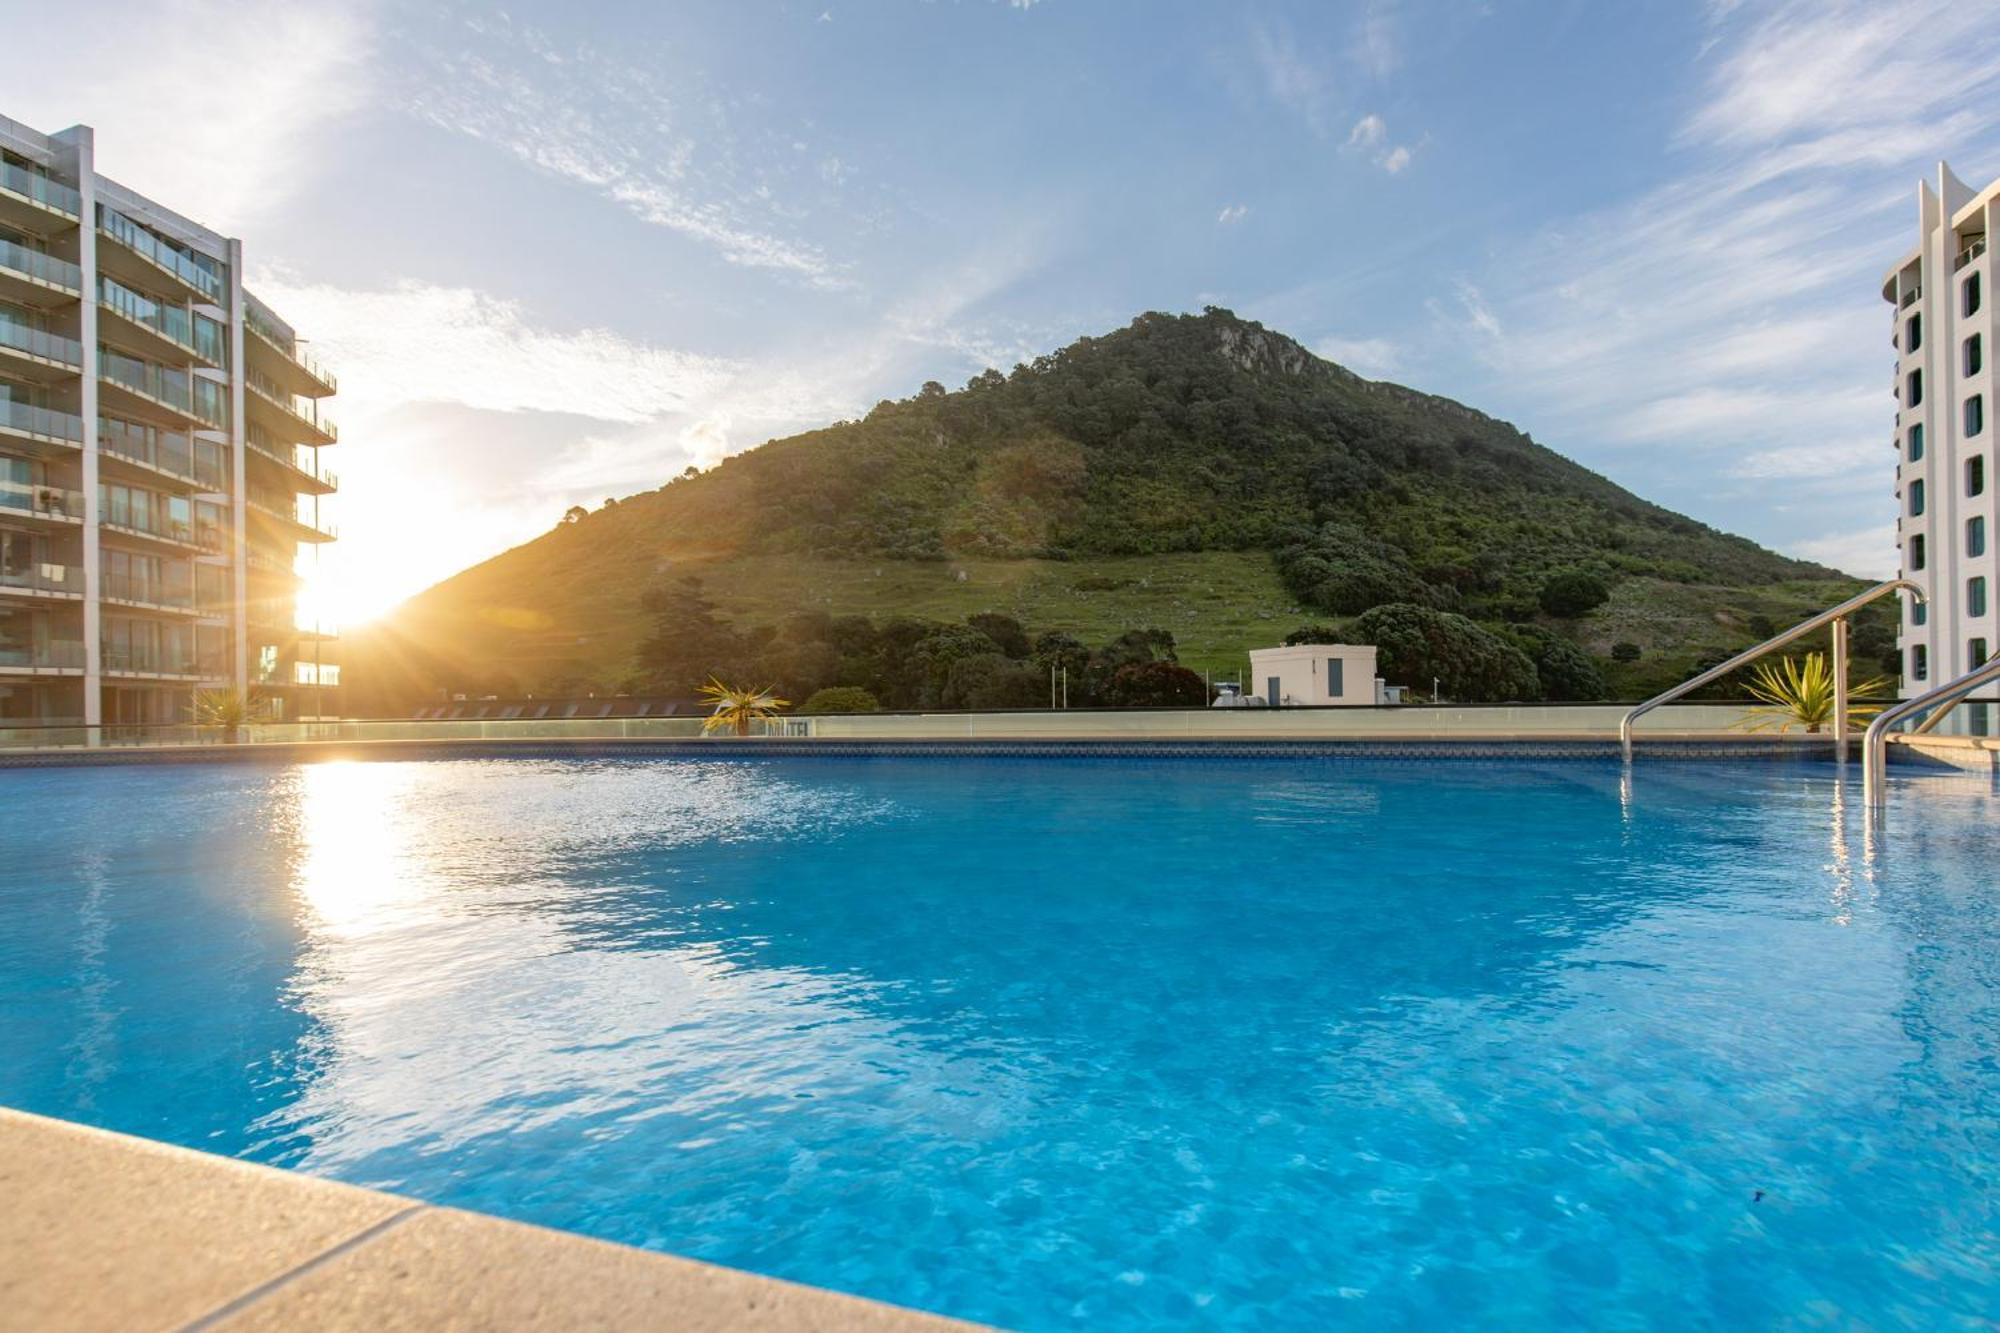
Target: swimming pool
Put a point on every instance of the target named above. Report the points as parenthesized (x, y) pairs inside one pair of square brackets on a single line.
[(1118, 1042)]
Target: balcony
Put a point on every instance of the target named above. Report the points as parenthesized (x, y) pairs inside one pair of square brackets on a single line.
[(142, 256), (153, 392), (64, 582), (129, 662), (152, 527), (54, 503), (296, 371), (148, 593), (162, 453), (282, 410), (286, 513), (1972, 251), (165, 332), (40, 425), (56, 657), (33, 199), (37, 354), (302, 473), (32, 278)]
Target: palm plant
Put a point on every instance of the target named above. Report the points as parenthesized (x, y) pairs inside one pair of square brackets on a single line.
[(225, 709), (1794, 692), (738, 708)]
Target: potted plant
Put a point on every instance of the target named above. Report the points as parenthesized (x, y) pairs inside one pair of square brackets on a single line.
[(227, 710), (738, 708), (1794, 692)]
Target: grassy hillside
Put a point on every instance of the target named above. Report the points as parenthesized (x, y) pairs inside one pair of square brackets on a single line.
[(1196, 473)]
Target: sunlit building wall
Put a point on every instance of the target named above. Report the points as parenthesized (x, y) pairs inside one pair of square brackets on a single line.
[(160, 433), (1943, 331)]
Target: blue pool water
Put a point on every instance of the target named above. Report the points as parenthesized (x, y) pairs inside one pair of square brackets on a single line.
[(1106, 1043)]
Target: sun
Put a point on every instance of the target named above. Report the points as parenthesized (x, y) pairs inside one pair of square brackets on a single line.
[(331, 598)]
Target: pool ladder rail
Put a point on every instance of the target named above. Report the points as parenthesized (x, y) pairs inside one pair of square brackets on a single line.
[(1835, 616), (1875, 742)]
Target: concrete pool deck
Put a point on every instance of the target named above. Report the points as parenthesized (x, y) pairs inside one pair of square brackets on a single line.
[(103, 1231)]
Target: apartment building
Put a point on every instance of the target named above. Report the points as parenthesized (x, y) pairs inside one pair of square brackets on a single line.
[(160, 434)]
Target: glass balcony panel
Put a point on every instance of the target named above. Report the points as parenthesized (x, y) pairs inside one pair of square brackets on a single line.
[(49, 193), (17, 333), (41, 267)]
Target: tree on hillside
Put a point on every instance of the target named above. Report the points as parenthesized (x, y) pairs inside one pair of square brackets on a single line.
[(1419, 644), (1573, 593), (1155, 685), (990, 680), (688, 644), (1004, 630), (840, 699), (935, 653), (1312, 634), (1566, 672)]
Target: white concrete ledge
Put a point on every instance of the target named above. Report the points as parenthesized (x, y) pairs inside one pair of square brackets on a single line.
[(102, 1231)]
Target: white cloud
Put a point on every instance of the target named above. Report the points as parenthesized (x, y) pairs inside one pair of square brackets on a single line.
[(1371, 357), (416, 342), (1725, 326), (1233, 213), (1370, 135), (223, 152), (1293, 80), (618, 129), (1869, 553)]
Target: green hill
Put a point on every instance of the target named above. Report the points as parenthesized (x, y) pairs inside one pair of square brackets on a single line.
[(1197, 474)]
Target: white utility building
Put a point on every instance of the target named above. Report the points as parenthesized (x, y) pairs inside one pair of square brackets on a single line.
[(1316, 675)]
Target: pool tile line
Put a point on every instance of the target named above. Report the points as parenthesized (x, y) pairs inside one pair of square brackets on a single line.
[(231, 1308)]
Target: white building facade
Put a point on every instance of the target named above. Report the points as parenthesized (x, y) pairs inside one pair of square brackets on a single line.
[(159, 458), (1943, 330), (1315, 675)]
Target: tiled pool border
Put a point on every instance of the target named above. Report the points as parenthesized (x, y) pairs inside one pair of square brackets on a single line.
[(107, 1231), (1483, 748)]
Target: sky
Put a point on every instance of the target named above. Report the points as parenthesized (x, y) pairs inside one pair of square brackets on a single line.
[(558, 253)]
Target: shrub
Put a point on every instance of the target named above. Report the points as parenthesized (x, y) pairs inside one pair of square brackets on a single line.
[(1155, 685), (1418, 644), (1312, 634), (841, 699), (990, 680), (1573, 594), (1624, 651), (1567, 672)]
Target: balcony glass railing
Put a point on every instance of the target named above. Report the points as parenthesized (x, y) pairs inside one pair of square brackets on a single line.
[(43, 421), (45, 578), (287, 344), (54, 653), (162, 384), (41, 267), (274, 393), (50, 194), (1969, 253), (22, 336), (154, 592), (160, 252), (173, 323), (33, 498), (133, 661), (296, 457), (167, 450)]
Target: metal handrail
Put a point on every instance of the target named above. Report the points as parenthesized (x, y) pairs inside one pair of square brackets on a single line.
[(1798, 631), (1875, 743)]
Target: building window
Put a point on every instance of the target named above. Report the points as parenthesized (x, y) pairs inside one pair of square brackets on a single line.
[(1916, 497), (1975, 595), (1914, 336), (1917, 442), (1916, 393), (1920, 662), (1975, 474), (1975, 653), (1975, 535), (1975, 414), (1968, 302), (1917, 554), (1975, 355), (1919, 612)]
